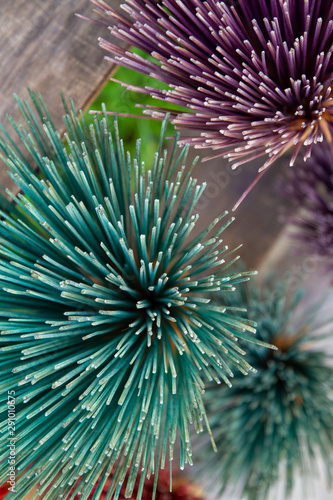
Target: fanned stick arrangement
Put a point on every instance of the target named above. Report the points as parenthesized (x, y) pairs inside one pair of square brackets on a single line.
[(252, 78), (107, 333), (276, 425)]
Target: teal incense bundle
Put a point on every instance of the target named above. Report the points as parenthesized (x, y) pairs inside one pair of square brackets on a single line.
[(107, 335), (276, 424)]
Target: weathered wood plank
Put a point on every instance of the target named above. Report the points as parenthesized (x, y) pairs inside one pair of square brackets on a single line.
[(44, 46)]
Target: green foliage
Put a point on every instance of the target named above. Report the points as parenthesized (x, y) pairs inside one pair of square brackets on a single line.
[(123, 101), (106, 335), (275, 421)]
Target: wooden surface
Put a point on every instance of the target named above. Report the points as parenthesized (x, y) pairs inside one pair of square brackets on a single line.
[(44, 46)]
